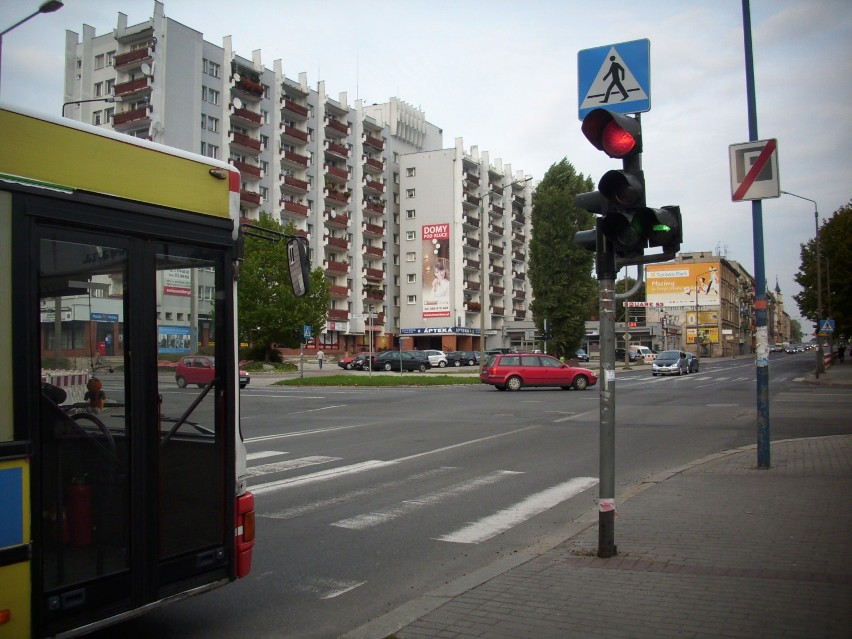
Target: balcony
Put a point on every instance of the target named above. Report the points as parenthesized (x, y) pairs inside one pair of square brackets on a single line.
[(498, 310), (519, 275), (292, 135), (517, 238), (249, 197), (294, 209), (518, 219), (472, 286), (248, 171), (520, 315), (134, 88), (336, 174), (373, 208), (335, 129), (518, 201), (374, 251), (337, 244), (519, 256), (338, 150), (497, 270), (338, 315), (472, 307), (497, 290), (376, 143), (246, 118), (244, 143), (131, 119), (294, 111), (373, 230), (374, 274), (472, 243), (373, 165), (470, 221), (471, 265), (339, 292), (470, 201), (132, 59), (373, 187), (293, 160), (336, 198), (495, 250), (337, 268), (518, 294), (495, 229), (497, 210), (294, 186), (375, 295), (340, 221), (471, 178), (249, 89)]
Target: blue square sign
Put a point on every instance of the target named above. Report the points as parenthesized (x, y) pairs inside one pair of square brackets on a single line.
[(615, 77)]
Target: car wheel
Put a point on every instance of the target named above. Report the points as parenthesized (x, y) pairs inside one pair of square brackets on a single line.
[(581, 382), (471, 363), (441, 364), (387, 366), (514, 383), (654, 374), (347, 367), (457, 363), (422, 368), (181, 382)]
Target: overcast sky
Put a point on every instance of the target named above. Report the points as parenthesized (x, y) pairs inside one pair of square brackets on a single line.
[(502, 75)]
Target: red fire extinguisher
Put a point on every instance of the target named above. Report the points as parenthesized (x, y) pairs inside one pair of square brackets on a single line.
[(79, 497)]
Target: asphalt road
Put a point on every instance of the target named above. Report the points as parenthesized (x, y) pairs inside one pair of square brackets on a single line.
[(368, 498)]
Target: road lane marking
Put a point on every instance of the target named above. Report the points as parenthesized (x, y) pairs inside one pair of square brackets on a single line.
[(577, 416), (304, 509), (329, 588), (299, 433), (261, 454), (501, 521), (408, 506), (290, 464)]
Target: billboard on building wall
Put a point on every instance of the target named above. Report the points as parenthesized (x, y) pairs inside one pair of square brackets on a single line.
[(436, 270), (680, 285)]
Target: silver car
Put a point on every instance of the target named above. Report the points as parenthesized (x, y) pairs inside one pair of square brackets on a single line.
[(437, 359), (670, 363)]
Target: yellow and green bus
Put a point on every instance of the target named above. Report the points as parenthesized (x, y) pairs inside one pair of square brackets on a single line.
[(119, 491)]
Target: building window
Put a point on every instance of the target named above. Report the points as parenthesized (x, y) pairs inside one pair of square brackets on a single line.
[(411, 256), (411, 171), (265, 116), (99, 61), (212, 124), (409, 192), (108, 113), (409, 214), (412, 278), (412, 299), (210, 68), (97, 118), (411, 235), (99, 89), (264, 167), (110, 58), (209, 95), (210, 150), (264, 193), (110, 87), (264, 140)]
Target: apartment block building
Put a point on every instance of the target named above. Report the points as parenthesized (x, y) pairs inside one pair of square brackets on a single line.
[(336, 169)]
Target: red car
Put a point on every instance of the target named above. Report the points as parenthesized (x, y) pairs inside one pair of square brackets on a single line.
[(199, 370), (513, 371)]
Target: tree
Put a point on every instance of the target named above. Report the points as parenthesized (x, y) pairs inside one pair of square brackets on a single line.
[(560, 272), (835, 236), (269, 313)]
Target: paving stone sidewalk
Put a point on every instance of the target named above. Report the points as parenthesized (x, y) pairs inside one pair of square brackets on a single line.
[(719, 549)]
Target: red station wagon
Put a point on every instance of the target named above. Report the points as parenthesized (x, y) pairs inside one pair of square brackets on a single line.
[(513, 371), (199, 370)]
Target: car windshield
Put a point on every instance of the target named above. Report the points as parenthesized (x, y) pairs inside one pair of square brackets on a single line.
[(666, 355)]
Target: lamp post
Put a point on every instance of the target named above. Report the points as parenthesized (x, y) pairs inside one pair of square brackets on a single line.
[(819, 363), (105, 99), (483, 305), (46, 7)]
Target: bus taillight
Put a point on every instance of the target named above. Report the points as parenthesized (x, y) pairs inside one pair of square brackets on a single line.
[(244, 532)]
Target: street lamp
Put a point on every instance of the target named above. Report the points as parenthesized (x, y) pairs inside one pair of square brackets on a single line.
[(483, 304), (819, 364), (46, 7), (106, 99)]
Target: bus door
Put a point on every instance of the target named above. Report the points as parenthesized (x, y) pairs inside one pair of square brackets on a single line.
[(129, 469)]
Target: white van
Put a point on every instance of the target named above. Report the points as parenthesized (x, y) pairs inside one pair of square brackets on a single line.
[(644, 353)]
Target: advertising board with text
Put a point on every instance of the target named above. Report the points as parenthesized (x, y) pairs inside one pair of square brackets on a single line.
[(680, 285), (436, 270)]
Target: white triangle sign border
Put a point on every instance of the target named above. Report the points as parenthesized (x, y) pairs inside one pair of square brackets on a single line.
[(599, 87)]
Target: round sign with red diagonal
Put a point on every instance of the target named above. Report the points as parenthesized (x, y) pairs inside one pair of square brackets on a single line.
[(754, 170)]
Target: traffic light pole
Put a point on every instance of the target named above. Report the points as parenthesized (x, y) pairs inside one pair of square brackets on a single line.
[(606, 271)]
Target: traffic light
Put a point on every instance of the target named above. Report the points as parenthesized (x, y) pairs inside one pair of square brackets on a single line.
[(625, 221)]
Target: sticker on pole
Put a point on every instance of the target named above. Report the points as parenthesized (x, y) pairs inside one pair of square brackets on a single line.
[(754, 170)]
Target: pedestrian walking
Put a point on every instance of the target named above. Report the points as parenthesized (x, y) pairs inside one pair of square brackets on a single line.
[(320, 358)]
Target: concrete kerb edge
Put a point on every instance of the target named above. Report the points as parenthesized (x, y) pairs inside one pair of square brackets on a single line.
[(413, 610)]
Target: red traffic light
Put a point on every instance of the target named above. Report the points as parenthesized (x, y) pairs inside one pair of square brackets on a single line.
[(617, 135)]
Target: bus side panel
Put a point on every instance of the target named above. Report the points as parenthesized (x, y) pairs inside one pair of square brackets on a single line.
[(15, 580)]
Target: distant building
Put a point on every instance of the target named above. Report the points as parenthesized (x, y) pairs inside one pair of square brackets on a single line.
[(336, 169)]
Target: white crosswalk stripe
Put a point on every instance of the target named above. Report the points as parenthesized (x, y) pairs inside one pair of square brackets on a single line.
[(277, 467)]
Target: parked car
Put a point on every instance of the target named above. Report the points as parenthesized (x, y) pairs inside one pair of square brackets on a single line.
[(644, 353), (463, 358), (693, 361), (513, 371), (391, 360), (354, 362), (670, 363), (631, 354), (200, 370), (581, 355), (438, 359), (346, 362)]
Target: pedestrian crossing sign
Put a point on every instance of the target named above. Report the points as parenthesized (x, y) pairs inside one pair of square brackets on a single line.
[(615, 77)]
